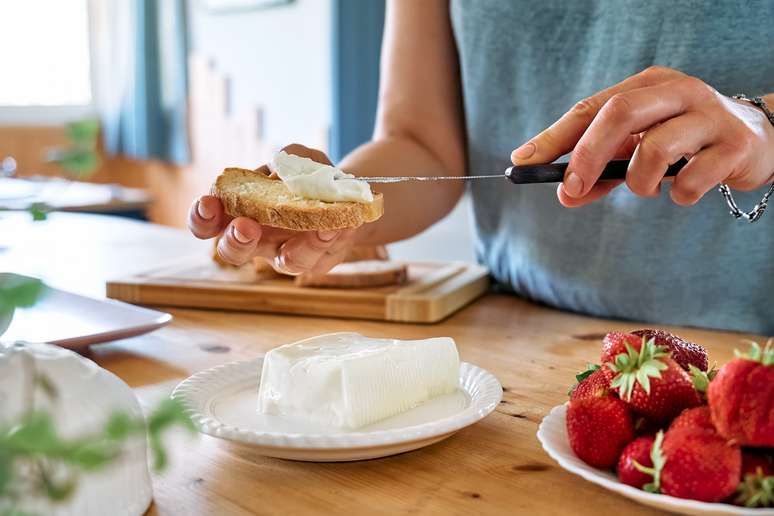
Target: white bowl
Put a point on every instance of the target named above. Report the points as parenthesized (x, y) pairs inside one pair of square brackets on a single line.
[(552, 434), (87, 396)]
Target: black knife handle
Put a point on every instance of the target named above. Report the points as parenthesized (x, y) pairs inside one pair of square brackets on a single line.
[(554, 172)]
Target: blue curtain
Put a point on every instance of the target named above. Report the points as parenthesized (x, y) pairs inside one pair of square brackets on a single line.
[(152, 122), (357, 28)]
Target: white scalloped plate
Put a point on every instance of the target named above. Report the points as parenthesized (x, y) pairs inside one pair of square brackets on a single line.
[(222, 402), (552, 434)]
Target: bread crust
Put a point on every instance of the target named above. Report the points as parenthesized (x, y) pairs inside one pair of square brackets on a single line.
[(296, 214), (369, 273)]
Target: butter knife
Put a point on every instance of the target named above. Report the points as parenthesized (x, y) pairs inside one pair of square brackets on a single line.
[(528, 174)]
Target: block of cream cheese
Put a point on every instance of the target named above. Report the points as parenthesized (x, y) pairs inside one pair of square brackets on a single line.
[(308, 179), (346, 380)]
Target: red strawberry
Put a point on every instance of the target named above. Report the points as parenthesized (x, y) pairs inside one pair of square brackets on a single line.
[(695, 464), (741, 398), (652, 383), (697, 418), (594, 382), (683, 352), (636, 452), (615, 343), (598, 429), (757, 486)]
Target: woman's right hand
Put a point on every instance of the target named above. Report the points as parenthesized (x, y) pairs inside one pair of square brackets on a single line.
[(289, 252)]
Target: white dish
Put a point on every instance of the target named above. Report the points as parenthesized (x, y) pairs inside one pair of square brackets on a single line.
[(73, 321), (222, 402), (552, 434)]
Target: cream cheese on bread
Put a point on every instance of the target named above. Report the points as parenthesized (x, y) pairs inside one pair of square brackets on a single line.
[(309, 179)]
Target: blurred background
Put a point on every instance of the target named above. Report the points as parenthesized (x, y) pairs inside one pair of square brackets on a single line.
[(133, 107)]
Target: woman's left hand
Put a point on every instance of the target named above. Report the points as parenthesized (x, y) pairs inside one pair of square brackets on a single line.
[(655, 118)]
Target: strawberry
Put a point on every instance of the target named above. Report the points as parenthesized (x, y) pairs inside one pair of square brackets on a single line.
[(598, 429), (615, 343), (694, 463), (757, 486), (652, 383), (741, 398), (696, 418), (594, 382), (636, 453), (684, 352)]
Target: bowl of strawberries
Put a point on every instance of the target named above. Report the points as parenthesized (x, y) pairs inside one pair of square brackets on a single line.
[(653, 423)]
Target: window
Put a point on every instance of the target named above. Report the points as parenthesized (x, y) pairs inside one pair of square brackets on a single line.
[(45, 59)]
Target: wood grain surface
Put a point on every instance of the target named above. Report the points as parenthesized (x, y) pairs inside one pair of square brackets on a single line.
[(433, 291), (494, 467)]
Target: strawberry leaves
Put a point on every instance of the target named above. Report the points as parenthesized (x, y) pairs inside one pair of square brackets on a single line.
[(701, 379), (658, 459), (755, 490), (590, 369), (763, 355), (634, 367)]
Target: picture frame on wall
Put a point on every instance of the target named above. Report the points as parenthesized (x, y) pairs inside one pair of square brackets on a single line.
[(231, 6)]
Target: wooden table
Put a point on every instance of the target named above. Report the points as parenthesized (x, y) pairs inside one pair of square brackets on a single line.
[(494, 467)]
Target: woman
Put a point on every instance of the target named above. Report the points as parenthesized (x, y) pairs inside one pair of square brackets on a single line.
[(465, 83)]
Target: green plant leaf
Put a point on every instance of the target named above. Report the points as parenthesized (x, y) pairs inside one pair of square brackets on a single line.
[(6, 471), (19, 292), (35, 434), (14, 512), (83, 133), (57, 490), (47, 386), (170, 412), (120, 426), (92, 454), (39, 211), (78, 162)]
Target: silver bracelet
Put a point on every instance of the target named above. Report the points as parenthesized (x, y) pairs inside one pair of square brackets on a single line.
[(757, 211)]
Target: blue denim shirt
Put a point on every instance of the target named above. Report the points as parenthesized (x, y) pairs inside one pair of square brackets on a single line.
[(523, 64)]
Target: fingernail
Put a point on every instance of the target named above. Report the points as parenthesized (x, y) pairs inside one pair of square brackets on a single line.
[(203, 211), (525, 151), (573, 185), (281, 267), (327, 236), (242, 239)]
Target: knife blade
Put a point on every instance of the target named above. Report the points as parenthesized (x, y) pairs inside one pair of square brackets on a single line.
[(530, 174)]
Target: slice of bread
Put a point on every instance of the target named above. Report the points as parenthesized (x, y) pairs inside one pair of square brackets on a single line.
[(368, 273), (246, 193)]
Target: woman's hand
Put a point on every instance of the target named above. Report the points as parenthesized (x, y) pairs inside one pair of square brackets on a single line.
[(291, 252), (655, 118)]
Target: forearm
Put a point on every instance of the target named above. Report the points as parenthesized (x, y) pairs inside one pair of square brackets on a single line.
[(419, 127), (409, 207)]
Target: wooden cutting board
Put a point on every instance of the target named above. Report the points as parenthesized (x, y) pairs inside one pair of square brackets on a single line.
[(434, 291)]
